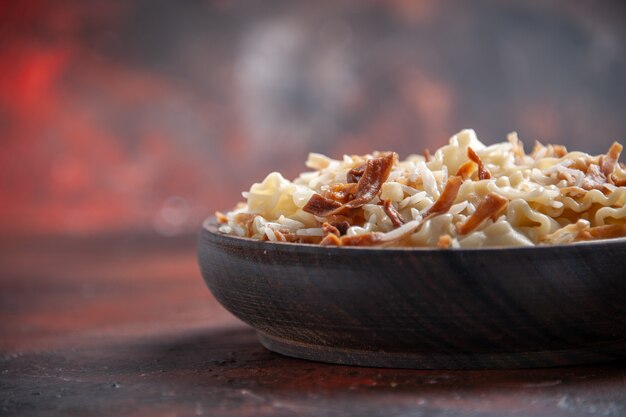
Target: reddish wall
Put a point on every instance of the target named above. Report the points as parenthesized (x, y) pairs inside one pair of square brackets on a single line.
[(144, 115)]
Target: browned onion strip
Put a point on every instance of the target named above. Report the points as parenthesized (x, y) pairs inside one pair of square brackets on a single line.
[(341, 226), (330, 229), (618, 182), (320, 206), (444, 241), (375, 174), (246, 220), (342, 223), (559, 151), (288, 235), (331, 239), (426, 154), (465, 171), (612, 156), (609, 231), (491, 205), (341, 193), (280, 237), (392, 213), (369, 239), (221, 217), (355, 174), (483, 172), (446, 199)]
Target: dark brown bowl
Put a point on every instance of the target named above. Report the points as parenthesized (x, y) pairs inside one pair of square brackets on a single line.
[(425, 308)]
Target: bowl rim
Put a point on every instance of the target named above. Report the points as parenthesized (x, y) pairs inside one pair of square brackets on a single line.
[(210, 225)]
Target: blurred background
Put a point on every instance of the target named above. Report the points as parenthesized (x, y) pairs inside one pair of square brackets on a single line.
[(145, 116)]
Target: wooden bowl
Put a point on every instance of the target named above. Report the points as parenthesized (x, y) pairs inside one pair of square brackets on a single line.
[(425, 308)]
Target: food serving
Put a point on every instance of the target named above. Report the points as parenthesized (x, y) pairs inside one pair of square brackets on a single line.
[(464, 195)]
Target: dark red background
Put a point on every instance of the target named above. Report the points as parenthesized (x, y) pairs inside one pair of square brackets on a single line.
[(122, 122), (145, 116)]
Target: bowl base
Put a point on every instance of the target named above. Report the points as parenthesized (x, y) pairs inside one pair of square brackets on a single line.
[(413, 360)]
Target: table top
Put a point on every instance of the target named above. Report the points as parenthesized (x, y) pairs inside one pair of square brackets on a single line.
[(125, 326)]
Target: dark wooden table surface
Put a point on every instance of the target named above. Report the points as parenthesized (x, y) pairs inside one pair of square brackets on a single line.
[(125, 326)]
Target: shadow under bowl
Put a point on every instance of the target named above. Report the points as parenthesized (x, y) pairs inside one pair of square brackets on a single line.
[(424, 308)]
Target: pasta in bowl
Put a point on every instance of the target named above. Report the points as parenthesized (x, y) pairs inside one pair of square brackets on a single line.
[(473, 257), (465, 195)]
